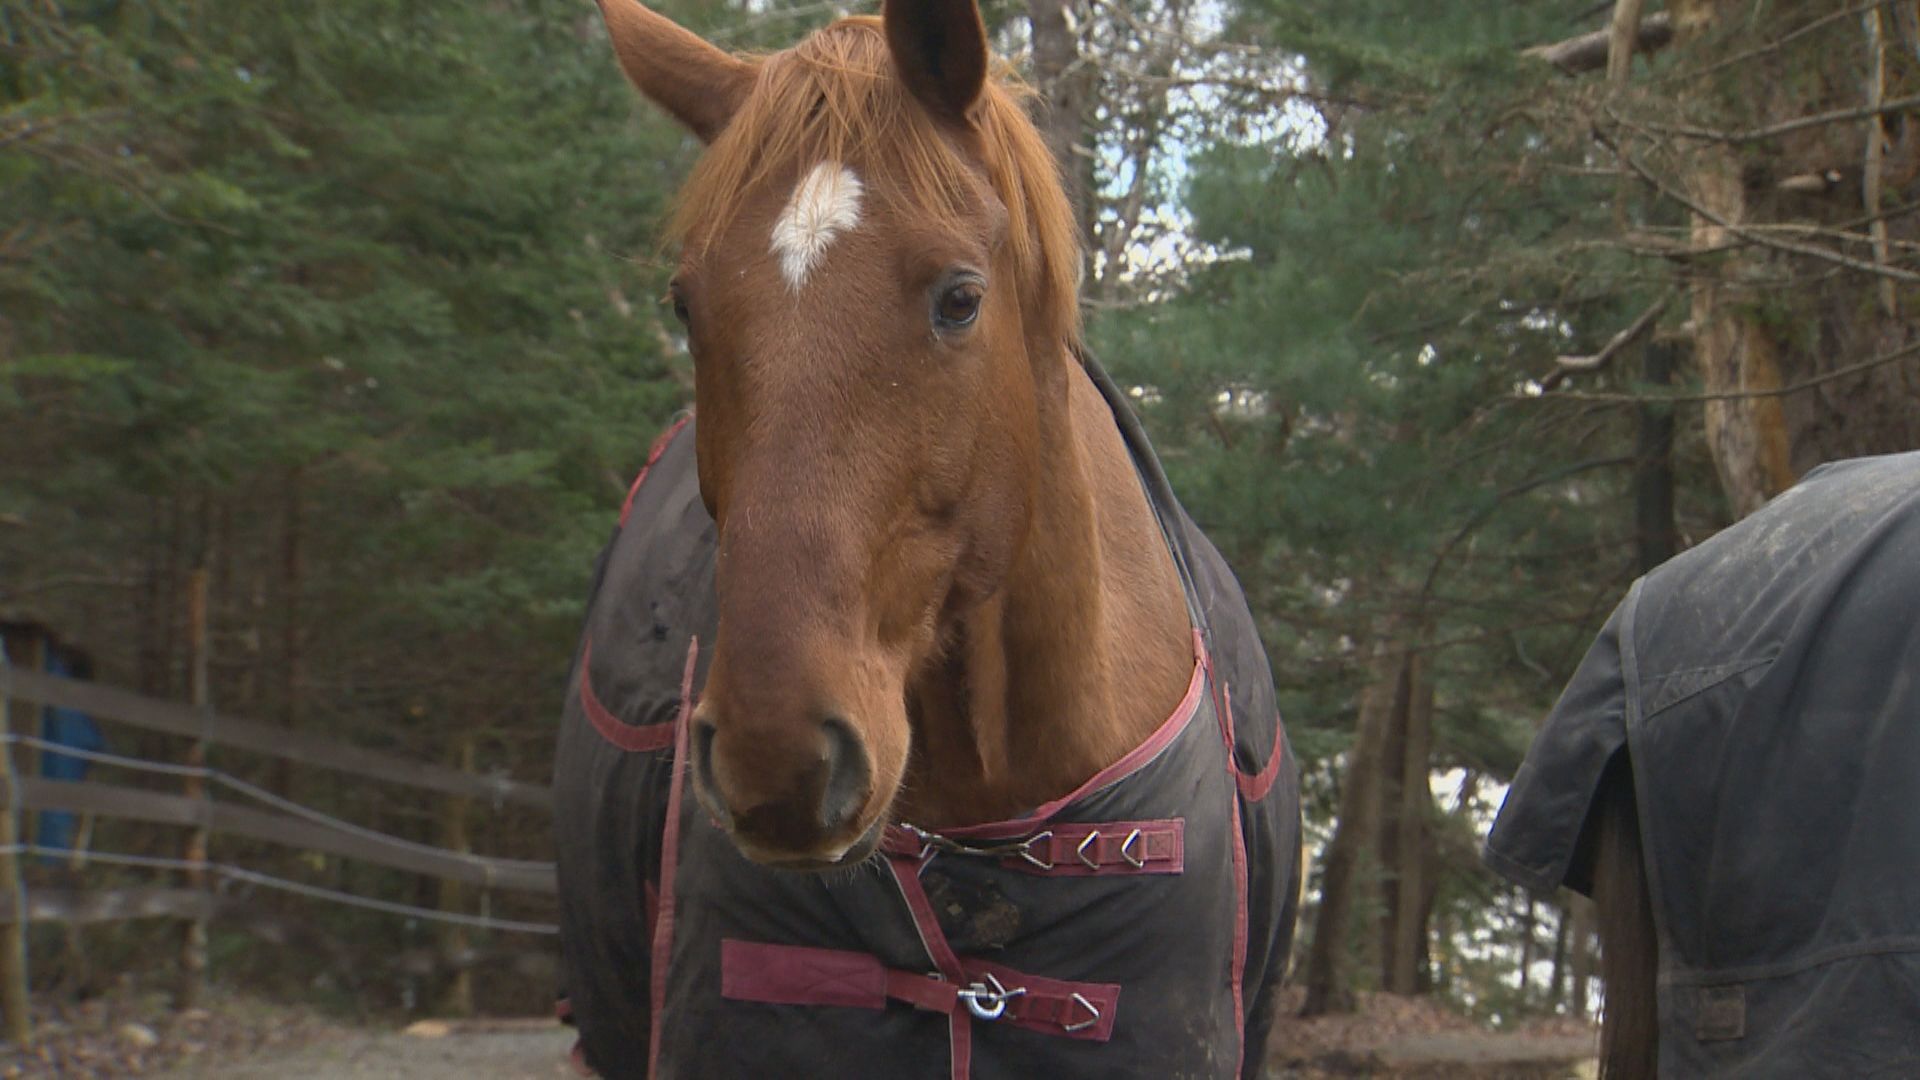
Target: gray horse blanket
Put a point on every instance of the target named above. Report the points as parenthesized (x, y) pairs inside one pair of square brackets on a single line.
[(1139, 925), (1766, 688)]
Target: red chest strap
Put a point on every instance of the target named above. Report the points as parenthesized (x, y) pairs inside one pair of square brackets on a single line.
[(798, 975)]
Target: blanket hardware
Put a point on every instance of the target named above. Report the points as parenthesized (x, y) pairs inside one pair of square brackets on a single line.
[(988, 1000), (1026, 850), (933, 841), (1088, 841), (1093, 1014)]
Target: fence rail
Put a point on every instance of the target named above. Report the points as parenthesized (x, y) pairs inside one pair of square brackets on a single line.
[(271, 818), (126, 707), (109, 800)]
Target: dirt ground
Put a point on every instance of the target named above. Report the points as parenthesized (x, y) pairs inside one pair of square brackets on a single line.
[(514, 1053), (236, 1038), (1417, 1037), (239, 1038)]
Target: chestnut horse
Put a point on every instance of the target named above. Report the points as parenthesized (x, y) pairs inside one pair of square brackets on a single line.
[(952, 643), (1730, 776)]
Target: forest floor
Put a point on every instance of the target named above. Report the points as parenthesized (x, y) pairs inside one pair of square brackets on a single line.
[(1417, 1037), (239, 1038)]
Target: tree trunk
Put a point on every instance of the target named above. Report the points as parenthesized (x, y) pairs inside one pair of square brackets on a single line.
[(1581, 940), (1067, 88), (292, 629), (1529, 946), (1771, 315), (1356, 833), (1406, 839), (1557, 989)]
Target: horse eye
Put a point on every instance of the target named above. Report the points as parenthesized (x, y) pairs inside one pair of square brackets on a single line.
[(680, 308), (959, 306)]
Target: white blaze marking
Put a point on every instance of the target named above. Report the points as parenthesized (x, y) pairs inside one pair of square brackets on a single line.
[(826, 204)]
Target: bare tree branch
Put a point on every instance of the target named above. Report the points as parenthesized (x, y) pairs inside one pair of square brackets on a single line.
[(1588, 52), (1903, 353), (1755, 236), (1618, 341), (1785, 39), (1735, 138)]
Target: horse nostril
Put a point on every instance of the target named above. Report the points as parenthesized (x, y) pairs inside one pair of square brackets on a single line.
[(848, 775), (703, 735)]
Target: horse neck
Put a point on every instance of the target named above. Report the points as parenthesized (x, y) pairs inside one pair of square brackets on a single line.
[(1077, 659)]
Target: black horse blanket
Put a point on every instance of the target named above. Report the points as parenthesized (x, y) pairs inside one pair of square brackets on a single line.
[(1766, 687), (1140, 925)]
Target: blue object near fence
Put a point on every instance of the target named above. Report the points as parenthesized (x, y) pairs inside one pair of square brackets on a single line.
[(67, 727)]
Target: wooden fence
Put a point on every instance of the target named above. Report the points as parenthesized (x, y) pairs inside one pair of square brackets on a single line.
[(216, 802)]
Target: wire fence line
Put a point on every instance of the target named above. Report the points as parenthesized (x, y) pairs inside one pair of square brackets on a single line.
[(254, 791), (25, 792), (301, 888)]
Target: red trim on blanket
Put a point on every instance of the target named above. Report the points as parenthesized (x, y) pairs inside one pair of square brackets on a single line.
[(629, 737), (1134, 760), (1239, 849), (798, 975), (659, 447), (669, 862), (906, 873), (1254, 788)]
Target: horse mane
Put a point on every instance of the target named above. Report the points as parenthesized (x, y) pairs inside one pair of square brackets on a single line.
[(835, 97)]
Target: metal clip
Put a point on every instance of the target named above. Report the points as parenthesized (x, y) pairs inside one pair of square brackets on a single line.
[(1036, 840), (1091, 863), (1093, 1015), (988, 1001), (1138, 862)]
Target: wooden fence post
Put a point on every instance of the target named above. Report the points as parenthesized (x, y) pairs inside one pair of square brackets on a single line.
[(454, 941), (13, 934), (193, 946)]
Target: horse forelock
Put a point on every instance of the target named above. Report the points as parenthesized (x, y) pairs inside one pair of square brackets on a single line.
[(835, 99)]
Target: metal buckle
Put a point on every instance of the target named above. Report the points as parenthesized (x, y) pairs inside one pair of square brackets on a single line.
[(932, 841), (1026, 849), (988, 1001), (1093, 1015), (1138, 862), (1091, 839)]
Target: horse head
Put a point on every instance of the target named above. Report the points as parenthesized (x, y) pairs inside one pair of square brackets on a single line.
[(877, 279)]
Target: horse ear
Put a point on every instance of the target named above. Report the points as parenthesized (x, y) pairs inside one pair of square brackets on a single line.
[(939, 48), (701, 86)]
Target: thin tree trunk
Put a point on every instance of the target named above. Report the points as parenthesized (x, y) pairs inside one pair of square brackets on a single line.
[(292, 630), (153, 657), (1390, 838), (193, 943), (1355, 836), (1557, 990), (1413, 896), (455, 941), (1581, 936), (1529, 928)]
